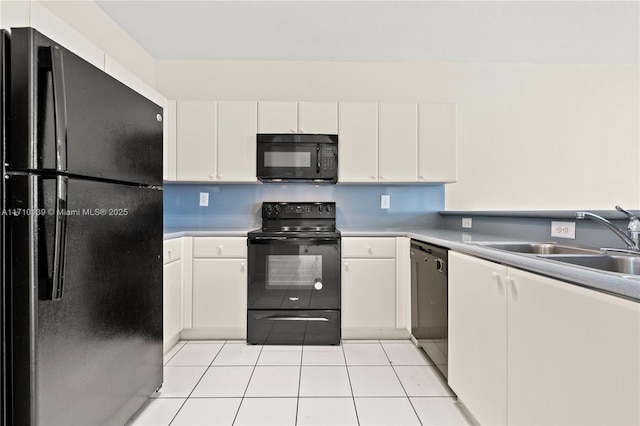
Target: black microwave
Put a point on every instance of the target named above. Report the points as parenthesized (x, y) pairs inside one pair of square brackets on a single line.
[(297, 158)]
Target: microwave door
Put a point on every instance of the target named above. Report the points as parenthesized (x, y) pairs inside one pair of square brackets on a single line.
[(287, 161)]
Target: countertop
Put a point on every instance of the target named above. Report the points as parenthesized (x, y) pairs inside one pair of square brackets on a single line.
[(614, 284)]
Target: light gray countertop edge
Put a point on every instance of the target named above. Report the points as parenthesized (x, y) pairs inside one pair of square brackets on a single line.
[(462, 242)]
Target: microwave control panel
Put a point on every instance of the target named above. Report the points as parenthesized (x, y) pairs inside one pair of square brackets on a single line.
[(329, 158)]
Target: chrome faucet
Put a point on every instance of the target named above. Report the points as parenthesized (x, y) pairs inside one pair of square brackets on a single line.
[(634, 227)]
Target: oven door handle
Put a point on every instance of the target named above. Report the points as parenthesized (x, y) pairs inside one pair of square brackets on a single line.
[(293, 318)]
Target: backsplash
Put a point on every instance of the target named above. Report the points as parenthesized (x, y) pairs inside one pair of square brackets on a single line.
[(358, 206)]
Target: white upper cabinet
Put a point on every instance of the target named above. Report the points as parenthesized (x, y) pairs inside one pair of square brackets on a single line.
[(398, 142), (196, 141), (437, 142), (237, 128), (277, 117), (294, 117), (358, 142), (318, 117)]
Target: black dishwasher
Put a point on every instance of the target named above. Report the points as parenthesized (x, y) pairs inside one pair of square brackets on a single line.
[(429, 301)]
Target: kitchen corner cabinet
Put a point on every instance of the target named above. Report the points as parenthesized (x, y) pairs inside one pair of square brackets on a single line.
[(219, 300), (437, 146), (172, 290), (368, 287), (298, 117), (557, 353), (215, 141)]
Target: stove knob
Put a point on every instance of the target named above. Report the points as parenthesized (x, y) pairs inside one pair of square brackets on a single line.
[(277, 209), (318, 285), (269, 208), (327, 208), (320, 208)]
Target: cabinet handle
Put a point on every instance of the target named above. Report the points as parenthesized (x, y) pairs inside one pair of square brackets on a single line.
[(420, 177), (241, 266), (219, 250), (219, 176), (170, 252), (212, 176), (294, 131), (374, 177), (381, 177), (512, 288), (369, 249), (346, 266), (498, 279)]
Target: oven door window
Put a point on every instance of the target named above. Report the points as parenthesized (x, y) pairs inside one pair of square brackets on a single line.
[(291, 271), (294, 274)]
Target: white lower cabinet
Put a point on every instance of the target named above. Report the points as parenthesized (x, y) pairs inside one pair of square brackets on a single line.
[(370, 300), (526, 349), (478, 337), (220, 294), (369, 293), (219, 289), (172, 292)]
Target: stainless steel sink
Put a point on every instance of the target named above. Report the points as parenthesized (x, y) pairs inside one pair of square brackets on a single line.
[(618, 263), (537, 248)]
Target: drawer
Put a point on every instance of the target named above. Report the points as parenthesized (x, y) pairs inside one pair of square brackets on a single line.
[(220, 247), (171, 250), (369, 247)]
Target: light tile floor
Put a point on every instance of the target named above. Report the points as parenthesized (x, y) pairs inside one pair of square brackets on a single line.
[(357, 383)]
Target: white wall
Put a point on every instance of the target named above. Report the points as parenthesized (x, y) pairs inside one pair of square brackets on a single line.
[(529, 136), (82, 19)]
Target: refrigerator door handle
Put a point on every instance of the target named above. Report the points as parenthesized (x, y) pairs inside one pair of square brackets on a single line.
[(57, 276), (59, 108)]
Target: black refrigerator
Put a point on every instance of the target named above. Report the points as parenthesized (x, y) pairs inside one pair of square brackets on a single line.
[(81, 239)]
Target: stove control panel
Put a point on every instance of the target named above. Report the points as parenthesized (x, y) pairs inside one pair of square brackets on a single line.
[(299, 210)]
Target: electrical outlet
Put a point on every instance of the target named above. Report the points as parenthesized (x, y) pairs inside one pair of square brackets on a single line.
[(467, 222), (563, 229), (385, 201), (204, 199)]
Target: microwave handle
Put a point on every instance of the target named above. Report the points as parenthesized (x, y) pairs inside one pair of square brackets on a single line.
[(318, 159)]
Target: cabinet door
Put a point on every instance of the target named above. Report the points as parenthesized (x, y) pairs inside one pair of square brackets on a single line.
[(478, 337), (237, 128), (172, 303), (437, 142), (277, 117), (358, 142), (368, 293), (220, 293), (196, 141), (574, 354), (398, 142), (318, 117)]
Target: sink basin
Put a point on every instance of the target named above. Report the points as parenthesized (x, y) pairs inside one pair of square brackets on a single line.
[(538, 248), (622, 264)]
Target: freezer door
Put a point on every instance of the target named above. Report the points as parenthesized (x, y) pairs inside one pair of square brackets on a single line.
[(69, 116), (88, 349)]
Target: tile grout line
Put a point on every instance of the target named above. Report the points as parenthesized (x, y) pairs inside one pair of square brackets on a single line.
[(197, 383), (353, 398), (299, 383), (248, 383), (403, 388)]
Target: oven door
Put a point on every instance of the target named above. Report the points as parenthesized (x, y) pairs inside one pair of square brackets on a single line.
[(294, 273)]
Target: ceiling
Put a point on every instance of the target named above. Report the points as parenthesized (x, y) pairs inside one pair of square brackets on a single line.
[(606, 32)]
